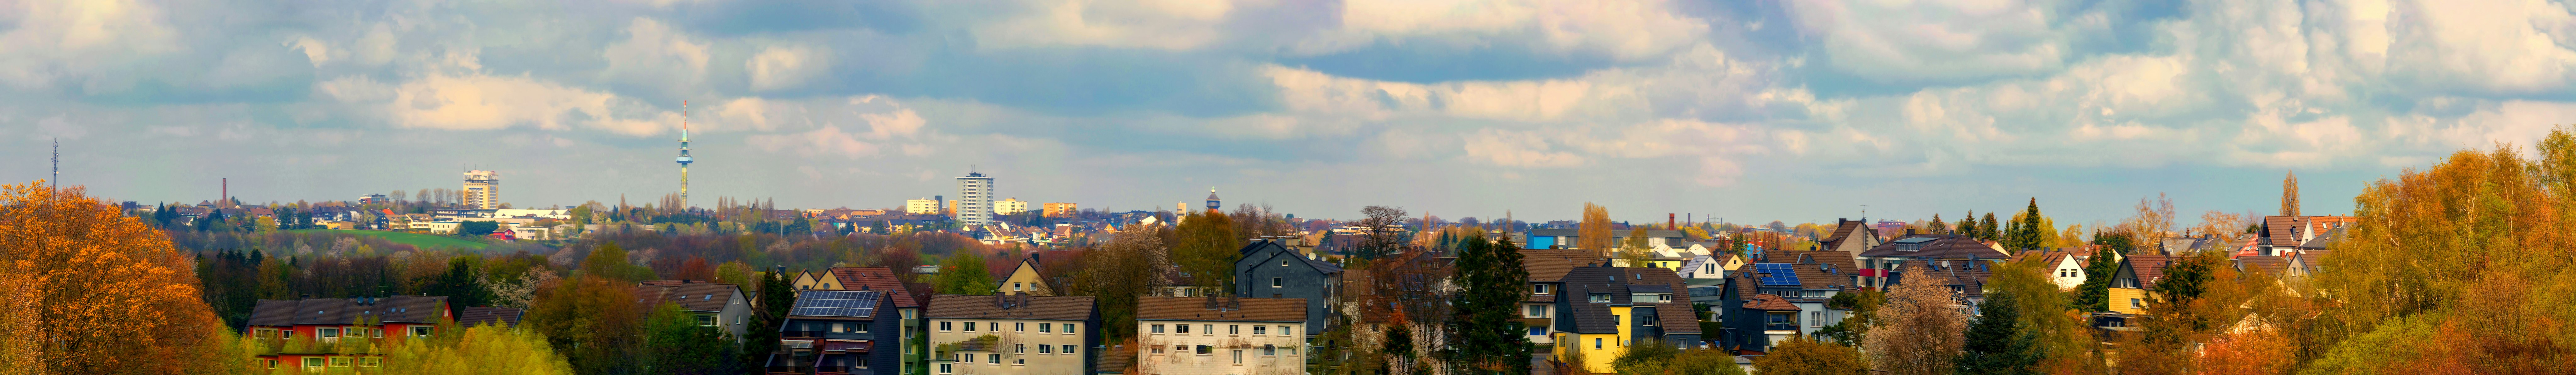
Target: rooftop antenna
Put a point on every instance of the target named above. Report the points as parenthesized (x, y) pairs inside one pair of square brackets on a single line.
[(57, 181)]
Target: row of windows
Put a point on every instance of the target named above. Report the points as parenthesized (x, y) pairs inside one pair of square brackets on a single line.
[(317, 363), (1021, 327), (1267, 350), (337, 332), (1210, 329)]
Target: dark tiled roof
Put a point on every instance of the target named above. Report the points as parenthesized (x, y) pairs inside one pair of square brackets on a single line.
[(1548, 265), (1594, 317), (1011, 307), (2323, 240), (1940, 246), (1969, 276), (1319, 265), (1844, 231), (2282, 230), (694, 296), (336, 311), (2149, 267), (877, 279), (501, 316), (1227, 309), (1769, 303)]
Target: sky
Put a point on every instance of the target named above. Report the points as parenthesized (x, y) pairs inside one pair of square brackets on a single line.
[(1750, 111)]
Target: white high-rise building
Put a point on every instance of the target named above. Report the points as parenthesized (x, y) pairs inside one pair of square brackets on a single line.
[(482, 189), (1013, 206), (974, 199), (921, 206)]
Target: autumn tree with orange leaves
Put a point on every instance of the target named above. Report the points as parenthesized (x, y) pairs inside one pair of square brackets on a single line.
[(86, 290)]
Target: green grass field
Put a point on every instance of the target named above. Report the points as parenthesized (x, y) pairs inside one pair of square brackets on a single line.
[(414, 239)]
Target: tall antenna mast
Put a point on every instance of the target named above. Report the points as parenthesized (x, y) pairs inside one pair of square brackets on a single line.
[(684, 155), (57, 181)]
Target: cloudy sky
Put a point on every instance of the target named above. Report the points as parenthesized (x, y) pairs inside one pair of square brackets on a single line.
[(1749, 110)]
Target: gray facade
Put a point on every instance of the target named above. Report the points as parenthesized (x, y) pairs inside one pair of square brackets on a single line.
[(1270, 269)]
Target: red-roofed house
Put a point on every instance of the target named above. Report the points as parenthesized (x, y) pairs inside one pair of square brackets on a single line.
[(2128, 292)]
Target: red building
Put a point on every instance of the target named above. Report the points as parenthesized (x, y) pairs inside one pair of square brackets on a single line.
[(335, 334)]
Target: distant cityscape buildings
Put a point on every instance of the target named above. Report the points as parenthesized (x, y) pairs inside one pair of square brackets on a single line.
[(482, 189), (921, 206), (1060, 209), (975, 200), (1013, 206)]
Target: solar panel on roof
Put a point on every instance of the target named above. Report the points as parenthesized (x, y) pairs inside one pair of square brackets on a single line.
[(836, 303), (1776, 274), (1772, 268)]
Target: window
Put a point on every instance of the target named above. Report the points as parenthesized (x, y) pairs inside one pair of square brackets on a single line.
[(1068, 349), (1046, 328), (1617, 320), (313, 362), (1158, 349), (370, 362), (272, 364), (1283, 330), (907, 313), (907, 332), (1233, 329), (1538, 330), (1238, 357), (1260, 329), (944, 368), (1278, 282), (339, 361), (1600, 297), (1283, 262), (1204, 349), (1207, 329), (1068, 328), (993, 359), (264, 333), (706, 320), (2133, 302), (1046, 349), (1596, 343), (1158, 328), (288, 334), (1019, 327), (1537, 311), (330, 333), (1183, 328), (1019, 348), (1015, 286), (1180, 348), (1538, 289), (1268, 350), (377, 332), (970, 326), (1817, 318)]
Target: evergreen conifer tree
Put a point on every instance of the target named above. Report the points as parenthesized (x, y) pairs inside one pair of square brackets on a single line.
[(1995, 341)]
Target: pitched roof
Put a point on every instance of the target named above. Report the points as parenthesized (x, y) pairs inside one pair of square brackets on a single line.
[(1221, 309), (2047, 256), (1594, 317), (1769, 303), (876, 278), (2254, 264), (1319, 265), (2323, 239), (1548, 265), (501, 316), (337, 311), (1845, 230), (693, 295), (1010, 307), (1969, 276), (1935, 246), (2149, 267)]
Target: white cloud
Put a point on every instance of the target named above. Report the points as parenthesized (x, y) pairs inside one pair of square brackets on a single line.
[(827, 140), (482, 102), (784, 67), (56, 40), (1157, 24), (1620, 29), (654, 54), (1938, 40)]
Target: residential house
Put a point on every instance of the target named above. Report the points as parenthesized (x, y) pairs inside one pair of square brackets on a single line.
[(1268, 268), (1878, 261), (907, 308), (1851, 237), (471, 316), (838, 332), (2286, 234), (807, 279), (340, 334), (1965, 279), (1608, 309), (1011, 335), (1228, 335), (1566, 238), (1806, 281), (1547, 269), (2128, 291), (1026, 279), (714, 305), (1703, 266), (2286, 271), (2064, 267)]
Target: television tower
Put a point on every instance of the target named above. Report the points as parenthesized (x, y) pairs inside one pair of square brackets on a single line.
[(684, 154)]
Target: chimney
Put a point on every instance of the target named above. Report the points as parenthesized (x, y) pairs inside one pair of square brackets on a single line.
[(227, 191), (1668, 221)]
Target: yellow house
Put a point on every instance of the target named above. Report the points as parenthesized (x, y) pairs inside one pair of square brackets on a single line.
[(2128, 291), (1596, 349), (1026, 280), (1609, 309), (807, 279)]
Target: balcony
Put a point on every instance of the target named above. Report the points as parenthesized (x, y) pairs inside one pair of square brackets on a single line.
[(1780, 327)]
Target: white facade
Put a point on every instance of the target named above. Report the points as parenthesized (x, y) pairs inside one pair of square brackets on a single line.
[(1013, 206), (921, 206), (975, 200), (540, 213), (2066, 273), (482, 189), (1183, 347)]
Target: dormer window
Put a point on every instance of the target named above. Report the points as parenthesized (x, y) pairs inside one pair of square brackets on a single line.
[(1600, 297)]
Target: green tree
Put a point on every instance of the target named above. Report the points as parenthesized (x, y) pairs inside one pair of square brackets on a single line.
[(964, 273), (771, 299), (484, 349), (595, 321), (1114, 274), (1643, 354), (1996, 342), (1855, 327), (2095, 293), (609, 260), (461, 284), (478, 228), (676, 344), (1489, 337), (1207, 251), (1804, 356), (2027, 230)]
